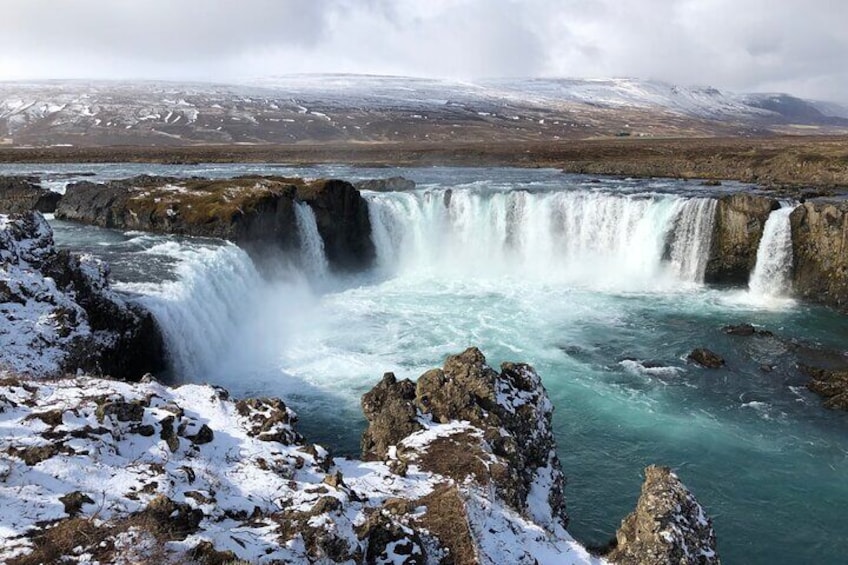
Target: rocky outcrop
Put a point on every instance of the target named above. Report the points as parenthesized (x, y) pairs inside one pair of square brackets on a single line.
[(820, 248), (830, 384), (22, 194), (706, 358), (471, 478), (391, 184), (253, 211), (738, 228), (508, 445), (59, 313), (667, 527)]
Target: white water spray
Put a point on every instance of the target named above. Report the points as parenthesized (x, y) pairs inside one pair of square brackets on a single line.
[(771, 276), (311, 245), (584, 237)]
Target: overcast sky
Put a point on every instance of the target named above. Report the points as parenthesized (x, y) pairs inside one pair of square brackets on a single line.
[(799, 46)]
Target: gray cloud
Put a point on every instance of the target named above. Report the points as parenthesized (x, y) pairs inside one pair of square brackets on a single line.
[(794, 45)]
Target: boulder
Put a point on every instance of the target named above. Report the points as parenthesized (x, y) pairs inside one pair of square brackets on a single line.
[(820, 249), (706, 358), (24, 194), (669, 526), (738, 228), (830, 384)]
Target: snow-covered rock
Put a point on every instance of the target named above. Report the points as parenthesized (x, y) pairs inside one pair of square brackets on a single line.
[(95, 470), (58, 313)]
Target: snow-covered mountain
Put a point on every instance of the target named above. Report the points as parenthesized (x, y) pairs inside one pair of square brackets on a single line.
[(357, 108)]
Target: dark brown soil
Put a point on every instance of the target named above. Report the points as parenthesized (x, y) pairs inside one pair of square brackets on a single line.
[(814, 161)]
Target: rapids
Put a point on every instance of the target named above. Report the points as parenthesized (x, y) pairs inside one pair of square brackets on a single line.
[(585, 280)]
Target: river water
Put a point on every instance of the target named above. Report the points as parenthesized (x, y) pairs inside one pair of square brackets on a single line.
[(590, 281)]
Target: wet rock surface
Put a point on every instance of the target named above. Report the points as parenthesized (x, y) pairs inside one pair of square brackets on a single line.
[(820, 249), (22, 194), (739, 223), (706, 358)]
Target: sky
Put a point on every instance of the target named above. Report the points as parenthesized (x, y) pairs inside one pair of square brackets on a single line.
[(795, 46)]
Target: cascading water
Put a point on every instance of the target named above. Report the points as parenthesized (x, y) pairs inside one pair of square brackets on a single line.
[(771, 275), (199, 309), (582, 237), (312, 256)]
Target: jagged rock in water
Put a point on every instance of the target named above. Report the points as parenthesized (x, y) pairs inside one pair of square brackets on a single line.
[(391, 184), (24, 194), (60, 313), (740, 220), (820, 272), (255, 212), (668, 526), (706, 358), (830, 384)]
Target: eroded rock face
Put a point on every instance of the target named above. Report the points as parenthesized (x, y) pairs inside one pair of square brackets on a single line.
[(60, 315), (667, 527), (509, 443), (255, 212), (740, 219), (820, 248), (23, 194)]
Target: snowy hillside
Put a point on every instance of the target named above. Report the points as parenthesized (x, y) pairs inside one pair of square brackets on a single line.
[(338, 108)]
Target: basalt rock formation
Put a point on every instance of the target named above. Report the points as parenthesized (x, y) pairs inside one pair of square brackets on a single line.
[(22, 194), (253, 211), (739, 223), (820, 248), (667, 527), (59, 313)]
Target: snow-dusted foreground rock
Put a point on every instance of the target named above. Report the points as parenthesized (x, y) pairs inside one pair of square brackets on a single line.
[(58, 313), (463, 469)]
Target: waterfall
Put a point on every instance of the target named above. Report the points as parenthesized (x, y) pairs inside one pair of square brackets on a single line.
[(580, 236), (690, 239), (771, 276), (312, 255), (199, 309)]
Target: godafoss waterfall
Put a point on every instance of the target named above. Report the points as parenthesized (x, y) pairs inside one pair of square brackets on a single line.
[(597, 283)]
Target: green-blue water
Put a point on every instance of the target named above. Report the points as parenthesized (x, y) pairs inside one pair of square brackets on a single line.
[(763, 456)]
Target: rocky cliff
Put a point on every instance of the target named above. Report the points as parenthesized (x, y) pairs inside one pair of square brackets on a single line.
[(59, 314), (820, 248), (22, 194), (464, 471), (739, 222), (253, 211)]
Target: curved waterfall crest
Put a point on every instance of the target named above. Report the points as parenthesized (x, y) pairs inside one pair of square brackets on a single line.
[(575, 236)]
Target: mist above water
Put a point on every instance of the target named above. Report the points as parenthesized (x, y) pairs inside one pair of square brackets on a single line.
[(584, 282)]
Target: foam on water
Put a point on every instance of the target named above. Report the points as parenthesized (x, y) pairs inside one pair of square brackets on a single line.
[(578, 282), (588, 238)]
